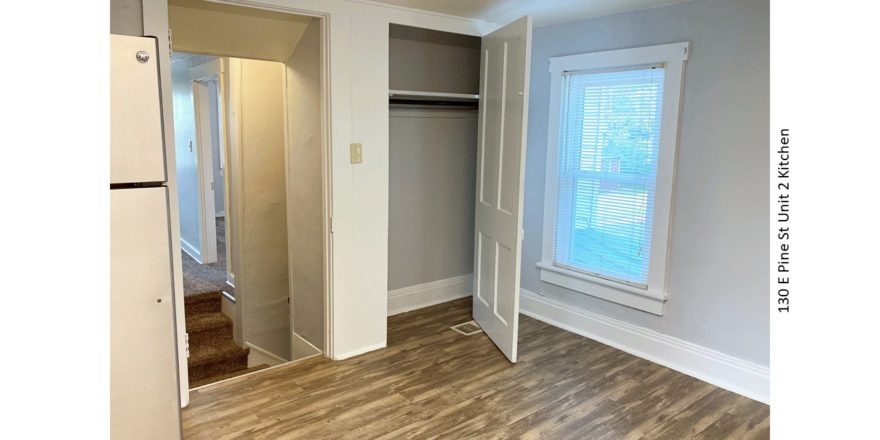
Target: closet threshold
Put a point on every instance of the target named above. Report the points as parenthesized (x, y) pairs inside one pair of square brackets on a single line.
[(431, 96)]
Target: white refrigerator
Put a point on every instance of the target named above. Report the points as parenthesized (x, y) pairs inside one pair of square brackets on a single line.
[(144, 401)]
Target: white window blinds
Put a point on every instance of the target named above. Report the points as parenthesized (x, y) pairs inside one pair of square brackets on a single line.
[(608, 151)]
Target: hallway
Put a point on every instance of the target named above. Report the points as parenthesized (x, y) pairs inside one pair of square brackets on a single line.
[(202, 278)]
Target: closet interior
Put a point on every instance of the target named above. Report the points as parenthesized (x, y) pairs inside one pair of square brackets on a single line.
[(434, 82)]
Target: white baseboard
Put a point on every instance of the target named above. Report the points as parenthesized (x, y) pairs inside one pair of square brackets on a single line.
[(357, 352), (227, 307), (429, 294), (191, 250), (740, 376), (303, 348), (259, 355)]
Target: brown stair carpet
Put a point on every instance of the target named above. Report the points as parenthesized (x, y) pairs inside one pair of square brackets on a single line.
[(202, 303), (213, 355)]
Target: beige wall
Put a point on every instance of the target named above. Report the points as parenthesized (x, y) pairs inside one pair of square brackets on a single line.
[(262, 270), (227, 30), (305, 201), (231, 99)]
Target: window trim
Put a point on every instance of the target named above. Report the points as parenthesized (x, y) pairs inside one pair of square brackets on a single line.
[(653, 298)]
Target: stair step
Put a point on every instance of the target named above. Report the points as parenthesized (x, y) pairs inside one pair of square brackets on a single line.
[(213, 379), (208, 354), (202, 303), (208, 328), (215, 359), (207, 322)]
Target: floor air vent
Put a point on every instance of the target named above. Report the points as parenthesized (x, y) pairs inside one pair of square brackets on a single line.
[(467, 328)]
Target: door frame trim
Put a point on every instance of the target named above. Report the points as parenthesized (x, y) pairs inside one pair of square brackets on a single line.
[(205, 168), (326, 153), (156, 24)]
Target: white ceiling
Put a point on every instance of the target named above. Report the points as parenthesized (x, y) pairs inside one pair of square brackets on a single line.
[(542, 11)]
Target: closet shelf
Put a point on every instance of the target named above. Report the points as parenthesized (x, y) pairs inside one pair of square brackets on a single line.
[(431, 96)]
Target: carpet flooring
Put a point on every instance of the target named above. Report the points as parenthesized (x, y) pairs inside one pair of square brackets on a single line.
[(202, 278), (213, 354)]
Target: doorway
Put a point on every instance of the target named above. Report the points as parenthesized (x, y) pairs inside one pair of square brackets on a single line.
[(457, 107), (198, 117), (251, 165)]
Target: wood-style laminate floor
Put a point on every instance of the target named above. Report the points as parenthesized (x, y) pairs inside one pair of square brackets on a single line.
[(432, 382)]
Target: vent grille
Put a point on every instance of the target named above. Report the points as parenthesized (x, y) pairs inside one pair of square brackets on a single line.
[(467, 328)]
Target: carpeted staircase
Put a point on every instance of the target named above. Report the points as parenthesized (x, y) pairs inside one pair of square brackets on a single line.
[(213, 355)]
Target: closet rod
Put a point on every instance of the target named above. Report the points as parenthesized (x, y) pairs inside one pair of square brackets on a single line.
[(431, 96), (435, 104)]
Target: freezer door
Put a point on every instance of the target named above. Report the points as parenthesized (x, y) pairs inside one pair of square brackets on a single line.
[(143, 358), (136, 147)]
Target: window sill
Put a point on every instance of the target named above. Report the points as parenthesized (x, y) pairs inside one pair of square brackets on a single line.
[(650, 301)]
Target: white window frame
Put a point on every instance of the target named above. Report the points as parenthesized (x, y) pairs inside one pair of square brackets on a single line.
[(652, 298)]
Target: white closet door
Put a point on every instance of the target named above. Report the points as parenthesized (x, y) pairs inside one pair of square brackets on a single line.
[(504, 85)]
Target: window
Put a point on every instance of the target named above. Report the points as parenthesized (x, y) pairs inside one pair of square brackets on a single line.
[(612, 142)]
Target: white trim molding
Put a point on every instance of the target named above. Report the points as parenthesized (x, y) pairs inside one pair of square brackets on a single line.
[(259, 355), (650, 301), (301, 348), (429, 294), (357, 352), (652, 296), (191, 250), (734, 374)]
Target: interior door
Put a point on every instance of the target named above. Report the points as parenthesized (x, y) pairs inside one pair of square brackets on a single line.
[(205, 170), (504, 86)]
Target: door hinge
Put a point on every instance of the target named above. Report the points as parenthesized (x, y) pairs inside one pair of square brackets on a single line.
[(331, 225), (187, 345), (170, 51), (212, 185)]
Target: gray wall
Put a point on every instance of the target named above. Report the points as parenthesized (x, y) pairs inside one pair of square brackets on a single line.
[(432, 154), (432, 61), (718, 278), (126, 17), (432, 182)]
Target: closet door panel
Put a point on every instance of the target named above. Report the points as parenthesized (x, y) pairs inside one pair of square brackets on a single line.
[(504, 85)]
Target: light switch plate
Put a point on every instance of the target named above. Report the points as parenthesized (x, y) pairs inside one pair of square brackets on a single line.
[(356, 153)]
